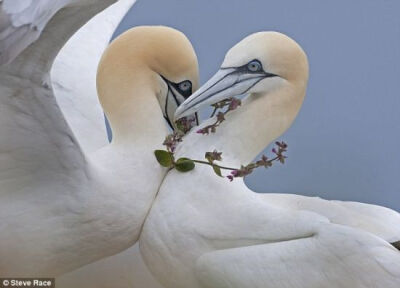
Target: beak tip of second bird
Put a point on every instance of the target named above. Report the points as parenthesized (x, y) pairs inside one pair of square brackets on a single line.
[(179, 113)]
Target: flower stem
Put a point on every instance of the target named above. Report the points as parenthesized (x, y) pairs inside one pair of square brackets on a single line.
[(208, 163)]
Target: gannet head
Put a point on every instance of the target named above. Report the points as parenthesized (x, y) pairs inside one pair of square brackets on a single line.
[(259, 64), (146, 60)]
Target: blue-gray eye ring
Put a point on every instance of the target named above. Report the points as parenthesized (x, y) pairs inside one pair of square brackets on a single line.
[(185, 85), (254, 66)]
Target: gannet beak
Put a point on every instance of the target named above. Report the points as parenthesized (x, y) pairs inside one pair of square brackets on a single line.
[(227, 82), (172, 100)]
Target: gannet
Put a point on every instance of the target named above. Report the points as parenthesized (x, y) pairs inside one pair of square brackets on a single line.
[(225, 236), (65, 201)]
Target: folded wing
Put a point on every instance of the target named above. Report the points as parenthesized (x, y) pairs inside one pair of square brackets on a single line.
[(336, 257)]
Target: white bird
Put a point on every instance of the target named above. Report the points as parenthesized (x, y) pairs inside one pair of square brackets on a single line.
[(378, 220), (125, 269), (62, 207), (226, 236)]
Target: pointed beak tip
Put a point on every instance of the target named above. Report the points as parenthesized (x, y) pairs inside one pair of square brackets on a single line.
[(179, 113), (223, 84)]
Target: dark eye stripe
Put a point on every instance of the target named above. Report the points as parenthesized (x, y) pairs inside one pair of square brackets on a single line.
[(178, 87), (245, 68), (185, 93), (185, 86)]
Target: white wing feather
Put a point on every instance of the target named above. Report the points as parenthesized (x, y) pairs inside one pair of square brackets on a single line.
[(35, 140), (22, 22), (74, 76), (41, 162)]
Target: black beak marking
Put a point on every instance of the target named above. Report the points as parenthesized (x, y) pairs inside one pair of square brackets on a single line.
[(170, 90), (396, 244), (259, 76), (236, 70)]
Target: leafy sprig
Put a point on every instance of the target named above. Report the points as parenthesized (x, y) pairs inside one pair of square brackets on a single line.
[(265, 162), (166, 158), (232, 103)]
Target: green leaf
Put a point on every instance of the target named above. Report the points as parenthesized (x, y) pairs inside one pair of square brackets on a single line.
[(165, 158), (184, 165), (217, 170)]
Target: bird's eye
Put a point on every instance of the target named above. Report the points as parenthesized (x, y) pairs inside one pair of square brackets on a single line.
[(254, 66), (185, 86)]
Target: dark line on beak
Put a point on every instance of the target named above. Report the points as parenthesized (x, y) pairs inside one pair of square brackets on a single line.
[(169, 122), (255, 83), (166, 116), (211, 95), (214, 84), (166, 102), (396, 244), (176, 100)]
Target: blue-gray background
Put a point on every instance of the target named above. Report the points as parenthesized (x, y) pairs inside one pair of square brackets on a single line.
[(345, 143)]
